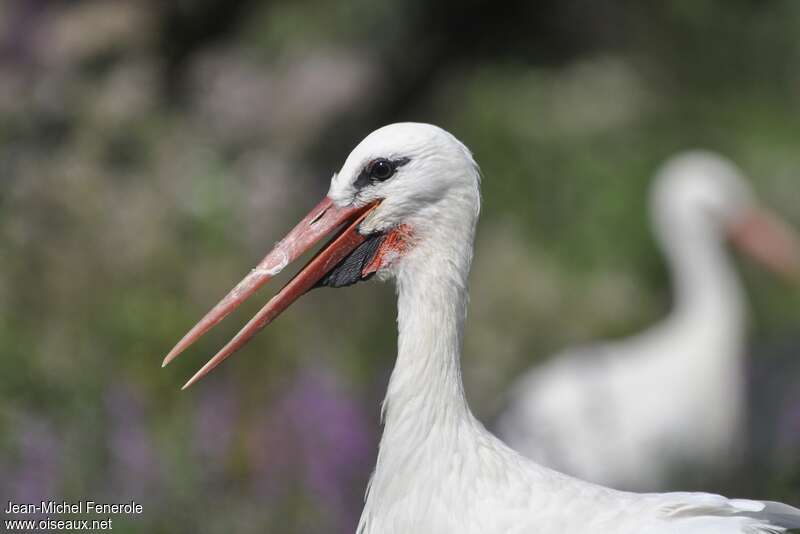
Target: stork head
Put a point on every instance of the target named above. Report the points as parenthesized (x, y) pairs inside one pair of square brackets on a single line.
[(406, 190), (699, 194), (424, 185)]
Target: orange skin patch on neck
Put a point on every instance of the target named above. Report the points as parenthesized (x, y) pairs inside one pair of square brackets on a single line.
[(395, 244)]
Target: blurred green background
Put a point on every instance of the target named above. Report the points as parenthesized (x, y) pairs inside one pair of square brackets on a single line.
[(151, 152)]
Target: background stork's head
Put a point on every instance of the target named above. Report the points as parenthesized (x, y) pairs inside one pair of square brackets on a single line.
[(701, 188), (407, 196), (700, 195)]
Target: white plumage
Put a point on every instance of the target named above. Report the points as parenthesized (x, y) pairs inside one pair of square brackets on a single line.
[(631, 414), (439, 471)]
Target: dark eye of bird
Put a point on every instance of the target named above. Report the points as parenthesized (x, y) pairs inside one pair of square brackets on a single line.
[(381, 169)]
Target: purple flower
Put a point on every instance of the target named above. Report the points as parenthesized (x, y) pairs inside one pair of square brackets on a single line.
[(215, 417), (133, 468), (38, 471), (319, 433)]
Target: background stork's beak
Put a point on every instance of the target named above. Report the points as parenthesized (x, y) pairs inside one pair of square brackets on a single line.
[(768, 240), (319, 223)]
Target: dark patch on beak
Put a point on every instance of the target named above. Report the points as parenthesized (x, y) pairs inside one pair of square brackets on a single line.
[(351, 269)]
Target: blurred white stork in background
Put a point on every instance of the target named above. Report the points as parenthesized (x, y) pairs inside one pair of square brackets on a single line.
[(671, 400), (406, 204)]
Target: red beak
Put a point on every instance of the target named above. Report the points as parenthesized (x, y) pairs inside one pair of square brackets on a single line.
[(768, 240), (319, 223)]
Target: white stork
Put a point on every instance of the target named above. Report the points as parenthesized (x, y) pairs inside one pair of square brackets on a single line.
[(405, 204), (671, 399)]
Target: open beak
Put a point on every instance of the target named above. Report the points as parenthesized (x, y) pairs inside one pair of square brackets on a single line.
[(319, 223), (768, 240)]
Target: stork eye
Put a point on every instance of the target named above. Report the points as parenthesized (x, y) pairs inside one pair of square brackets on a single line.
[(378, 170), (381, 169)]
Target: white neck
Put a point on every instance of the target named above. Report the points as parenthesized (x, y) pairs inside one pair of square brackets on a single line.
[(706, 287), (426, 392), (425, 410), (426, 387)]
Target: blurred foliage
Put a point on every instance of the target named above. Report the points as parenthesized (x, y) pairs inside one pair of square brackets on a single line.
[(150, 152)]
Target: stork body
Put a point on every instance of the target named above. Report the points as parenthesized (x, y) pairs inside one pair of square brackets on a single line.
[(631, 414), (439, 471)]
